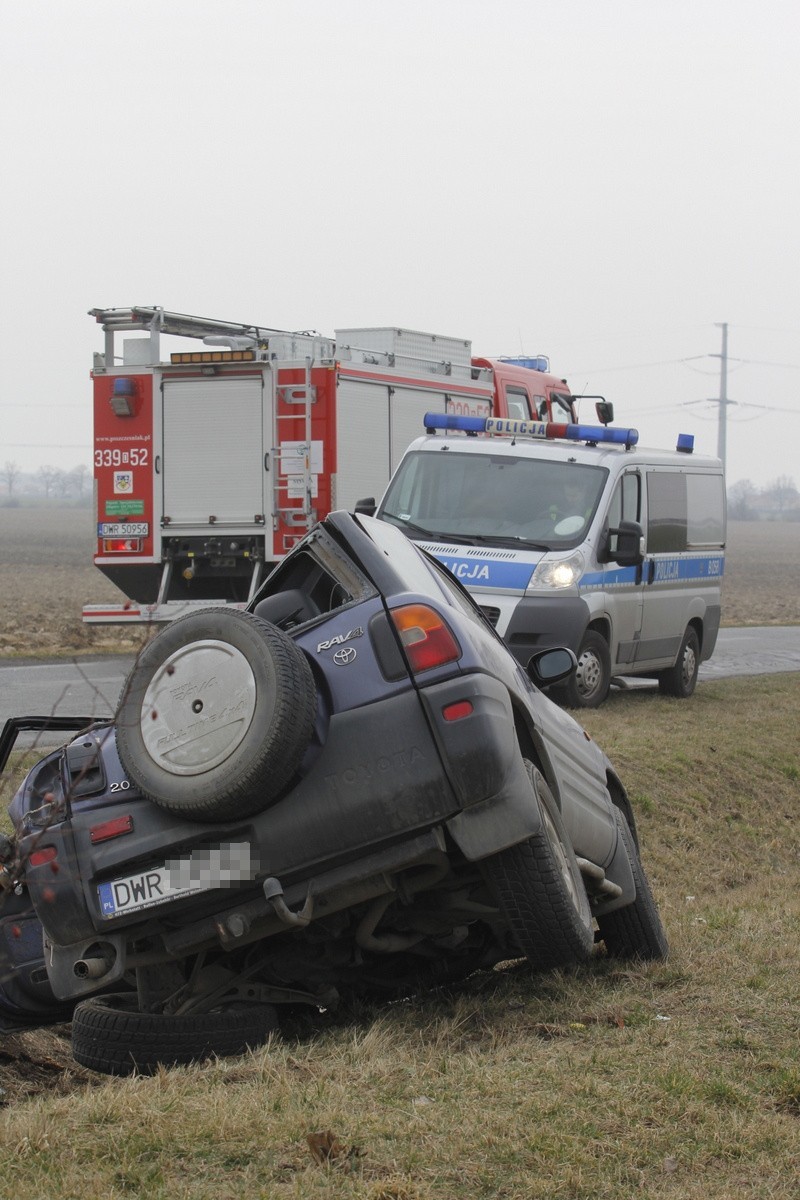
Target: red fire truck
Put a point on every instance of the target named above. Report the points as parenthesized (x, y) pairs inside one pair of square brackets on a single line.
[(211, 463)]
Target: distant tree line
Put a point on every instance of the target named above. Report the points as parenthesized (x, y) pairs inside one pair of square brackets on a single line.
[(48, 483), (778, 501)]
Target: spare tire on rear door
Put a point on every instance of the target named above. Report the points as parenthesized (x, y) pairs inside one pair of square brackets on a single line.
[(216, 714)]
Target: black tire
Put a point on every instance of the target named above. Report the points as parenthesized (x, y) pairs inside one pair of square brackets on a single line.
[(216, 714), (681, 679), (636, 930), (538, 887), (588, 686), (110, 1035)]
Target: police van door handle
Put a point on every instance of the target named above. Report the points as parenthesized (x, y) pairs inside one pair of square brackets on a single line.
[(651, 570)]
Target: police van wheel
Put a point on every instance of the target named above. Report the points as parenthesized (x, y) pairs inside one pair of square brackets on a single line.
[(539, 889), (588, 686), (216, 715), (681, 679)]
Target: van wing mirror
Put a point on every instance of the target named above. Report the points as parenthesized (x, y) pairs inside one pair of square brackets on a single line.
[(605, 411), (551, 666), (366, 507), (630, 544)]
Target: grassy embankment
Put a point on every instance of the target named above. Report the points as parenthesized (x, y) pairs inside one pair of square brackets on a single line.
[(679, 1080)]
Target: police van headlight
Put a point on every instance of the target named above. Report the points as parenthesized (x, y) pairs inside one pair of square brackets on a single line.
[(557, 572)]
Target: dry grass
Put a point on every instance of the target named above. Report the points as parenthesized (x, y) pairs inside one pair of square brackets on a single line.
[(675, 1081)]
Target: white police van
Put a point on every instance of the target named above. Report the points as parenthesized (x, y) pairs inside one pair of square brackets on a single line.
[(572, 535)]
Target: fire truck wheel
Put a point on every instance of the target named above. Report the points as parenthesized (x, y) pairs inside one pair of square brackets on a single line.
[(216, 715), (110, 1035)]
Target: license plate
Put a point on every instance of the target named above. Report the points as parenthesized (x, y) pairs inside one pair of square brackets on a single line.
[(123, 529), (202, 871)]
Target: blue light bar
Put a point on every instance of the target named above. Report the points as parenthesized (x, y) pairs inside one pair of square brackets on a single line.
[(539, 363), (535, 429), (685, 443)]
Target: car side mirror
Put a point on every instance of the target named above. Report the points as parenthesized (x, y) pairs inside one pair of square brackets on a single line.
[(630, 544), (366, 507), (550, 666)]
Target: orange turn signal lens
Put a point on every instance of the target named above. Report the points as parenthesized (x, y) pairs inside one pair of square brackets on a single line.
[(427, 640)]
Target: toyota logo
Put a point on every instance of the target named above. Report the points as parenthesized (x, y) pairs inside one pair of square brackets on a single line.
[(344, 657)]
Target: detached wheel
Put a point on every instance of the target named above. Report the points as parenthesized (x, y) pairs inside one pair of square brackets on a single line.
[(110, 1035), (540, 892), (681, 679), (588, 686), (216, 714), (636, 930)]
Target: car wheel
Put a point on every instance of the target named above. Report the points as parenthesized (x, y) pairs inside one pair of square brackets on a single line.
[(588, 686), (216, 714), (636, 930), (681, 679), (538, 887), (110, 1035)]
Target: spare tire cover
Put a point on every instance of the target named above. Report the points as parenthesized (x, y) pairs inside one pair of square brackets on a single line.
[(216, 714)]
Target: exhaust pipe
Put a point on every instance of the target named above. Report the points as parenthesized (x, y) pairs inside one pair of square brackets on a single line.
[(91, 968)]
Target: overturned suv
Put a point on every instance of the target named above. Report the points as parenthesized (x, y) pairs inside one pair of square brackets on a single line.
[(351, 788)]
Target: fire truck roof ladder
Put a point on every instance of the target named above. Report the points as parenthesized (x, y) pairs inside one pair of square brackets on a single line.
[(156, 321)]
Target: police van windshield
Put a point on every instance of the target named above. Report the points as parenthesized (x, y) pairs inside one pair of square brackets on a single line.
[(493, 498)]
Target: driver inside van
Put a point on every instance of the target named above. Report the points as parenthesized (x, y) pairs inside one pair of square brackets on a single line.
[(572, 502)]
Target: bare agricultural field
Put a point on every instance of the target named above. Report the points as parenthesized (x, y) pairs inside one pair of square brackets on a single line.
[(762, 567), (47, 575)]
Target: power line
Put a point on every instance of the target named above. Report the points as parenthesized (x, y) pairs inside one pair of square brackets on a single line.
[(759, 362), (666, 362)]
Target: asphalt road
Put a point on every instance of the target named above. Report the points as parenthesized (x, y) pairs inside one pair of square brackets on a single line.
[(90, 686)]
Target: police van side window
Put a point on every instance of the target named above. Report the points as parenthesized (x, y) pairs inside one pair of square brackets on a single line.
[(706, 504), (625, 506), (667, 512)]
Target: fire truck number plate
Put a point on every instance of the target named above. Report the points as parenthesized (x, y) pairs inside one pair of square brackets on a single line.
[(123, 529)]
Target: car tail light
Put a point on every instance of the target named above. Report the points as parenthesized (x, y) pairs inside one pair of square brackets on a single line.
[(110, 829), (44, 854), (427, 639)]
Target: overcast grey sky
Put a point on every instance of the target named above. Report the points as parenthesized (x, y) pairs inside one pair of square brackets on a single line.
[(601, 183)]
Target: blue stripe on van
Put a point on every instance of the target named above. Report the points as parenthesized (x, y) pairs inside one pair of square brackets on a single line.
[(676, 569), (515, 576), (482, 572)]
